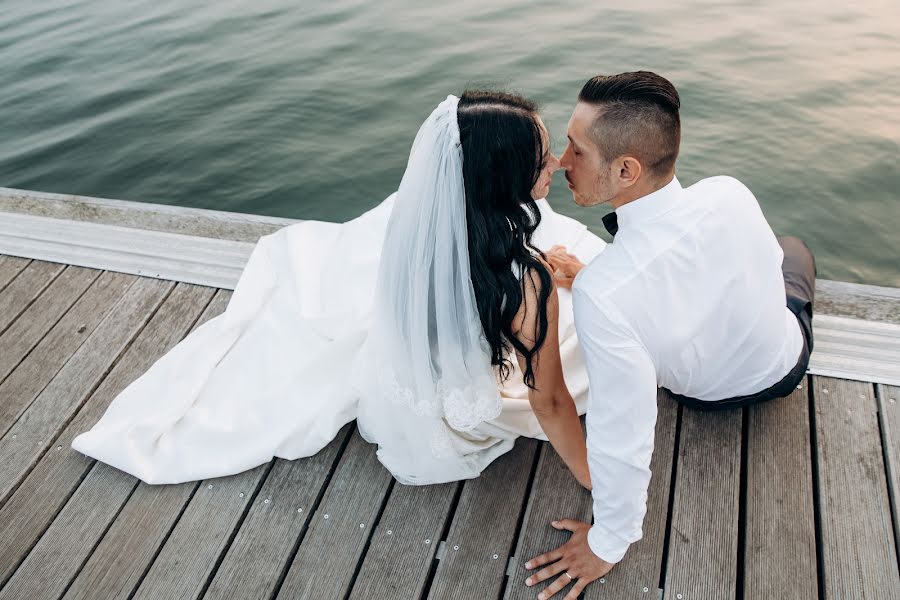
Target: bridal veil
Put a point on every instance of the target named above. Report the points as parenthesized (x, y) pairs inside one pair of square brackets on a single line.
[(425, 368)]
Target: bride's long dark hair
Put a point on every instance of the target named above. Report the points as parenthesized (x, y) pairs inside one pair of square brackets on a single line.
[(502, 160)]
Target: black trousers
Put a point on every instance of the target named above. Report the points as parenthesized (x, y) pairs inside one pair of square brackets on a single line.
[(799, 269)]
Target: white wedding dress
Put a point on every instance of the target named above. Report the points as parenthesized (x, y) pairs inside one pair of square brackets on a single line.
[(273, 375)]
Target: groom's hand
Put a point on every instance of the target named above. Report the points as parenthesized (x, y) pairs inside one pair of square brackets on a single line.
[(573, 561), (566, 266)]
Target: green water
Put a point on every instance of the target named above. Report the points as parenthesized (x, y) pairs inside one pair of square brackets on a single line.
[(308, 109)]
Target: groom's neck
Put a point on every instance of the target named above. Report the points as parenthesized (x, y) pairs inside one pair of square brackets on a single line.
[(640, 189)]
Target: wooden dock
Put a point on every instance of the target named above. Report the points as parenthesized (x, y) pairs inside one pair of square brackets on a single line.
[(797, 498)]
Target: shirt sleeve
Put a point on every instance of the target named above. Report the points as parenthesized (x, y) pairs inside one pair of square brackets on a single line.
[(621, 419)]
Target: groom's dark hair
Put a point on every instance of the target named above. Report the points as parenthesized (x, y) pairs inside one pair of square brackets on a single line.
[(638, 116)]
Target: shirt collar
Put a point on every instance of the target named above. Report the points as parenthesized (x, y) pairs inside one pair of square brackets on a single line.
[(648, 207)]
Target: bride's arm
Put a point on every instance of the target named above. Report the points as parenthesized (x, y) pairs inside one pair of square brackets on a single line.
[(551, 401)]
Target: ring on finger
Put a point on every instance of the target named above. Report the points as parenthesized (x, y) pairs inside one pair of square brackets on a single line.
[(569, 576)]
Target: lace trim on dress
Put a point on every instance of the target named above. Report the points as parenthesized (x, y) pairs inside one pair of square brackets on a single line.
[(467, 407), (461, 408)]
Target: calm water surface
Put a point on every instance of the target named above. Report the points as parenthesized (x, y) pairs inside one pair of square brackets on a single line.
[(308, 109)]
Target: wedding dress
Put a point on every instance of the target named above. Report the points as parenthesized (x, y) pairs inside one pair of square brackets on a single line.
[(284, 368)]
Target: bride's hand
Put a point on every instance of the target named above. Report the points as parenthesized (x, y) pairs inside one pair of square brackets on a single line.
[(565, 265)]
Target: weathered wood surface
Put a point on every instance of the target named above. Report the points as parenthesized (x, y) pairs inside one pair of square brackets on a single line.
[(555, 494), (858, 350), (189, 557), (90, 511), (119, 562), (34, 432), (73, 528), (35, 503), (170, 256), (858, 550), (397, 565), (31, 326), (780, 542), (639, 575), (889, 416), (341, 527), (126, 551), (142, 215), (702, 561), (10, 267), (25, 289), (490, 510), (869, 302), (858, 301), (71, 538), (278, 519), (39, 367)]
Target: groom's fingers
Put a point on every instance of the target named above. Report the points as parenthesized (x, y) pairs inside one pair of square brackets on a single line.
[(554, 588), (546, 573), (543, 559), (576, 590), (570, 524), (564, 282)]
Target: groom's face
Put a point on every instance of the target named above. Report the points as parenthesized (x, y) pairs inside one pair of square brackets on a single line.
[(588, 173)]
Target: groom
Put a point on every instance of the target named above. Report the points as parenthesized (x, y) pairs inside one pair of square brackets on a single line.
[(695, 295)]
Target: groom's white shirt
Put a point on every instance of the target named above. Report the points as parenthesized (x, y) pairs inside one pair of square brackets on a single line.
[(689, 296)]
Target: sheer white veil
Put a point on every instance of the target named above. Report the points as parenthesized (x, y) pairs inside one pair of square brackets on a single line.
[(425, 367)]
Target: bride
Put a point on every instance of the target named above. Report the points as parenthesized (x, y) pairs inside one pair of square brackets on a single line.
[(432, 319)]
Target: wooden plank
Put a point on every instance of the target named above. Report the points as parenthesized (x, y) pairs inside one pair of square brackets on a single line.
[(354, 497), (869, 302), (641, 567), (70, 539), (858, 350), (277, 521), (31, 376), (858, 552), (39, 318), (397, 565), (10, 267), (53, 562), (142, 215), (889, 416), (189, 557), (119, 562), (780, 543), (31, 508), (170, 256), (123, 556), (484, 525), (638, 575), (24, 289), (702, 561), (34, 432), (555, 494)]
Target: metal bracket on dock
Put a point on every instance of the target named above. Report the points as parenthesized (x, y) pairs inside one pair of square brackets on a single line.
[(441, 551), (511, 565)]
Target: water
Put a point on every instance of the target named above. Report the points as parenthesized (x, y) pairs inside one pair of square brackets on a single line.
[(308, 109)]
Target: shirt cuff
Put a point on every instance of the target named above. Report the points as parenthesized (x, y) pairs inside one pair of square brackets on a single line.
[(605, 546)]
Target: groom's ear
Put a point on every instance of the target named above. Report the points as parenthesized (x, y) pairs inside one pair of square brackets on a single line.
[(629, 170)]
